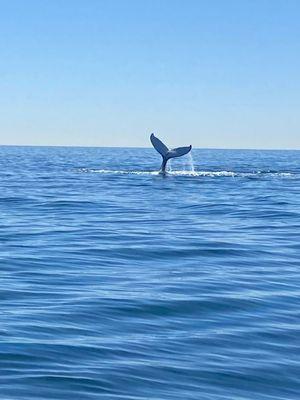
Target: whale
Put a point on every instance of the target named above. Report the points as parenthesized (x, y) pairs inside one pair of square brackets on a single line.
[(167, 153)]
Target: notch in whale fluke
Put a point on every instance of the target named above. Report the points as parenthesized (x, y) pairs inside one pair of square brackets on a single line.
[(167, 153)]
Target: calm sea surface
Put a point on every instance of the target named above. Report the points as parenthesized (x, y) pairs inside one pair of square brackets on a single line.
[(118, 283)]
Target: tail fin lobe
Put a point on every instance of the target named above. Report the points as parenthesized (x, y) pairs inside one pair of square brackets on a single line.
[(179, 151), (159, 145)]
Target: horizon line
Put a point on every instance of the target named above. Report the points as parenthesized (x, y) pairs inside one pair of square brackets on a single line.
[(146, 147)]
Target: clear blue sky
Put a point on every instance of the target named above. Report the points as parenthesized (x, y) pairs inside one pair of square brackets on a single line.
[(108, 73)]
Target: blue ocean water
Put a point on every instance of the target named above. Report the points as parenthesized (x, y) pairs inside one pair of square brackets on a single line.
[(119, 283)]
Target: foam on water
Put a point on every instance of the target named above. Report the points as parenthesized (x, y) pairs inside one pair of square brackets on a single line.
[(192, 173)]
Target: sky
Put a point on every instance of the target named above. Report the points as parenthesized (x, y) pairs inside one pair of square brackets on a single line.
[(211, 73)]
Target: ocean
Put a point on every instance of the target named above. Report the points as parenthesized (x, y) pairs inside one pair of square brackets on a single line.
[(119, 283)]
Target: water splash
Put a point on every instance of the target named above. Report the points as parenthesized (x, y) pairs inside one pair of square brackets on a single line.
[(183, 165), (169, 167), (191, 163)]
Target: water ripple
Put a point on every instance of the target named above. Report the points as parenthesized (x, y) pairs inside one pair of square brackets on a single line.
[(118, 284)]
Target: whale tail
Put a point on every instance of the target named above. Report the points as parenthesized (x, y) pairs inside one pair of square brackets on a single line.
[(167, 153)]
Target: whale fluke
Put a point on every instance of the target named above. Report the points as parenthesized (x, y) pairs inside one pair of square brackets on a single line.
[(167, 153)]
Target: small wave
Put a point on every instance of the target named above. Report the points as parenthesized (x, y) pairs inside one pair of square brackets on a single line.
[(231, 174)]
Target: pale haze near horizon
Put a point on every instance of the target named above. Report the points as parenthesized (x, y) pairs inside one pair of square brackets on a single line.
[(222, 74)]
